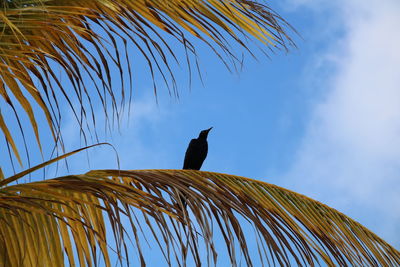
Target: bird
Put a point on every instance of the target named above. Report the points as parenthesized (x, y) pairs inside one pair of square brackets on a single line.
[(196, 152), (195, 155)]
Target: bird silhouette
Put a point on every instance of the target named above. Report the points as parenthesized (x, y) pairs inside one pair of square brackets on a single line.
[(196, 152), (195, 155)]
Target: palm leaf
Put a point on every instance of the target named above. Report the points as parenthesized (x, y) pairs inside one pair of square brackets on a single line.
[(67, 212), (85, 39)]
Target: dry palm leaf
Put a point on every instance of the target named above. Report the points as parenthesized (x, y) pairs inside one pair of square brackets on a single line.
[(85, 39), (63, 218)]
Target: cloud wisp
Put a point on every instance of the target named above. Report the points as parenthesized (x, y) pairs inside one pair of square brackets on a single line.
[(350, 155)]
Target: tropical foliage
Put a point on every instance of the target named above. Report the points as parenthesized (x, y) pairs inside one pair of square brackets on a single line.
[(43, 222), (84, 39), (86, 219)]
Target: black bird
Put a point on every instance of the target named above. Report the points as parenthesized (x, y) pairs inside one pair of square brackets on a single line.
[(195, 155), (196, 152)]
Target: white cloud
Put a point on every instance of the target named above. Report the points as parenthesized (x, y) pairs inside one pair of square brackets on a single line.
[(350, 155)]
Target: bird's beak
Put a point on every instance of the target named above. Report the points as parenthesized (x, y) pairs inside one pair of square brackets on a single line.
[(209, 129)]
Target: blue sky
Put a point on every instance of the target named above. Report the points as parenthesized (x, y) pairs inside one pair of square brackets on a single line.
[(322, 120)]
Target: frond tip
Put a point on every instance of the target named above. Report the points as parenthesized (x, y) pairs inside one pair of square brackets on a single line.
[(290, 229)]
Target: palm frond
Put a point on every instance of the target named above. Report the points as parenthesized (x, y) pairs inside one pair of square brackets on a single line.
[(85, 39), (290, 229)]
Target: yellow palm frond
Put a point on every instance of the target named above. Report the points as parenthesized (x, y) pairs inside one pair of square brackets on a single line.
[(66, 215), (85, 39)]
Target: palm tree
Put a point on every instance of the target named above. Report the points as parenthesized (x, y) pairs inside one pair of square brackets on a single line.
[(85, 219)]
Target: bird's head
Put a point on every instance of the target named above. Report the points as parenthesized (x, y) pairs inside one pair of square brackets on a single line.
[(203, 134)]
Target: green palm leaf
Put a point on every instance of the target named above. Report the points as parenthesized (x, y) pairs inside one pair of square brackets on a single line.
[(85, 39), (290, 229)]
